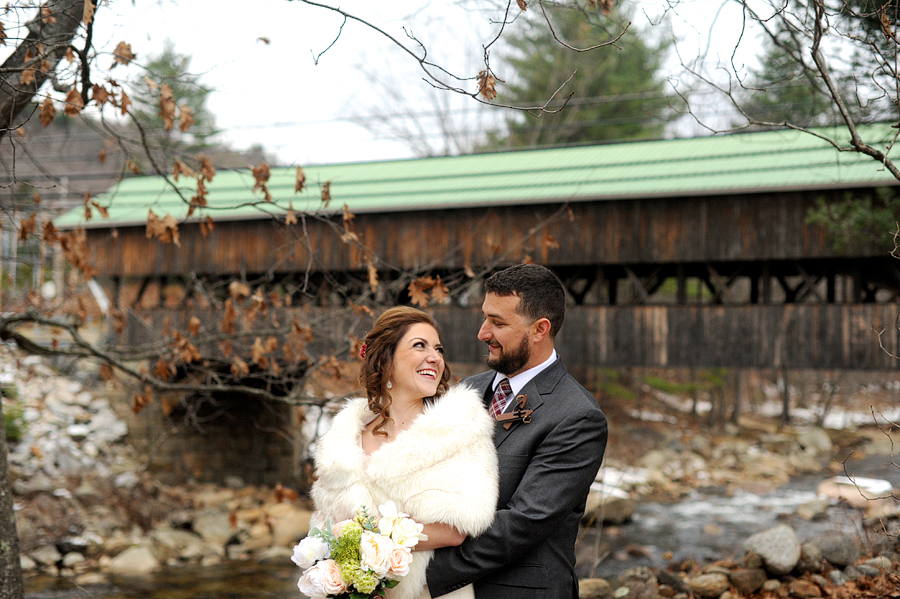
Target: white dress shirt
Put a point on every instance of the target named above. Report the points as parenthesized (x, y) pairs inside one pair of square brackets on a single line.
[(519, 381)]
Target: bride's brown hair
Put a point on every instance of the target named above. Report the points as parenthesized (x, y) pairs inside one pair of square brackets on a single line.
[(378, 361)]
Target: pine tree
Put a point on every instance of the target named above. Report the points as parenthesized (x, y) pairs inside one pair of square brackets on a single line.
[(618, 93)]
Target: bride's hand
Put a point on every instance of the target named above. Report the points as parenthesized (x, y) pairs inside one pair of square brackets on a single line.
[(440, 535)]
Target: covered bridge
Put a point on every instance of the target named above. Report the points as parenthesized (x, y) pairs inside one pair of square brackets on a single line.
[(682, 253)]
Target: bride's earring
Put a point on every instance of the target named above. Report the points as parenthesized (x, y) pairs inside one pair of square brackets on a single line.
[(389, 385)]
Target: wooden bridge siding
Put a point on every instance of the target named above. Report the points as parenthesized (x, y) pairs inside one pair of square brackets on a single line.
[(779, 336), (795, 336), (660, 230)]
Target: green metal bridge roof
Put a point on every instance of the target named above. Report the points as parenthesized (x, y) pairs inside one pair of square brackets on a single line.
[(727, 164)]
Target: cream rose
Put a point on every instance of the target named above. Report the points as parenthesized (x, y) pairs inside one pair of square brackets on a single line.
[(375, 550), (331, 577), (399, 560)]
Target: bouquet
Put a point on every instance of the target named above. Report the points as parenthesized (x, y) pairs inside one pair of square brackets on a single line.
[(358, 558)]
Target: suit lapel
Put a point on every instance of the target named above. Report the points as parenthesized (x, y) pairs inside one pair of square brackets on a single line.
[(541, 385)]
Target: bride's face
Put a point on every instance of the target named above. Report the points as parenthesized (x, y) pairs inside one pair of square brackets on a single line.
[(418, 363)]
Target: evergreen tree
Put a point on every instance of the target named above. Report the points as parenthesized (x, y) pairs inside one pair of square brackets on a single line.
[(618, 94), (171, 68)]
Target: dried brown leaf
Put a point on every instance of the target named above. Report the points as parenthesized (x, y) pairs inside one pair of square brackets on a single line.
[(70, 55), (326, 194), (185, 118), (99, 94), (87, 17), (300, 181), (239, 291), (181, 168), (239, 367), (164, 229), (206, 226), (486, 83), (140, 400), (194, 326), (124, 103), (27, 77), (47, 17), (166, 107), (27, 227), (522, 5), (163, 370), (133, 167), (291, 217), (48, 111), (122, 54), (439, 293), (2, 35), (257, 351), (418, 290), (229, 317), (206, 167), (74, 103), (103, 210), (373, 276)]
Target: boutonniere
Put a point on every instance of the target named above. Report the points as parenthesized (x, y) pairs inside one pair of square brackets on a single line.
[(519, 413)]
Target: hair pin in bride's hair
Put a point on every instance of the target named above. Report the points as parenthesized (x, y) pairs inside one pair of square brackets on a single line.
[(362, 351)]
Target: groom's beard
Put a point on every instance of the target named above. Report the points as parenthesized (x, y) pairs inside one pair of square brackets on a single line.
[(511, 360)]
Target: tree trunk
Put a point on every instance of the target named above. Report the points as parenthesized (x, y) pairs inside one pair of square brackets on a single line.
[(786, 399), (11, 585), (55, 37)]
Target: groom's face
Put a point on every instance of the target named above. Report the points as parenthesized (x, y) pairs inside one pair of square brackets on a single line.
[(506, 333)]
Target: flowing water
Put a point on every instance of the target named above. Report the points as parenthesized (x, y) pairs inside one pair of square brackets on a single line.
[(704, 526)]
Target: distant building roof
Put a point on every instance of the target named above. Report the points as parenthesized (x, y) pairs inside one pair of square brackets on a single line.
[(726, 164)]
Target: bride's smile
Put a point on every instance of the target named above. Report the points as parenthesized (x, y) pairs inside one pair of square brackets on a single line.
[(418, 364)]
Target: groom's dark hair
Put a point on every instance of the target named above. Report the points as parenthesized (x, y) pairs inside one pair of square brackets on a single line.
[(540, 292)]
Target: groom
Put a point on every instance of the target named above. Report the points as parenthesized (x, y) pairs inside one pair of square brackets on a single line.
[(547, 464)]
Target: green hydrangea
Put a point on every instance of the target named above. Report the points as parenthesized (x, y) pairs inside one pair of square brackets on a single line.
[(364, 581)]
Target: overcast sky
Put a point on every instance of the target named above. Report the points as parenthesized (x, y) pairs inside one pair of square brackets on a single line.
[(275, 94)]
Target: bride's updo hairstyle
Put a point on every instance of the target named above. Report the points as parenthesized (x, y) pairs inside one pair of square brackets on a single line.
[(378, 359)]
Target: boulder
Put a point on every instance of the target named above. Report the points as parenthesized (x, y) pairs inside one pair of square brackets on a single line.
[(289, 524), (811, 559), (134, 561), (168, 544), (608, 504), (748, 580), (816, 441), (778, 548), (804, 589), (709, 586), (214, 526), (46, 555), (594, 588), (813, 510), (837, 549), (641, 583)]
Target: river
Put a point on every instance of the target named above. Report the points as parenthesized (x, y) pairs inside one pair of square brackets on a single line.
[(705, 526)]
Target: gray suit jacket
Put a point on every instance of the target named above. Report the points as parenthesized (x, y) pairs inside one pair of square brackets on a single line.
[(546, 469)]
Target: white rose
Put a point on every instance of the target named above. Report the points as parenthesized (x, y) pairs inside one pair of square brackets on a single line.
[(310, 550), (312, 583), (375, 550)]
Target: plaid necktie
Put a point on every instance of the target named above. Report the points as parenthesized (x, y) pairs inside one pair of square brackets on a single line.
[(500, 396)]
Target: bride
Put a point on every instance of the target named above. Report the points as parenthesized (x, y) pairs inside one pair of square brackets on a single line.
[(412, 440)]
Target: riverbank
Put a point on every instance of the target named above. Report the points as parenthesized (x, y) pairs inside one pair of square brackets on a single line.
[(89, 514)]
